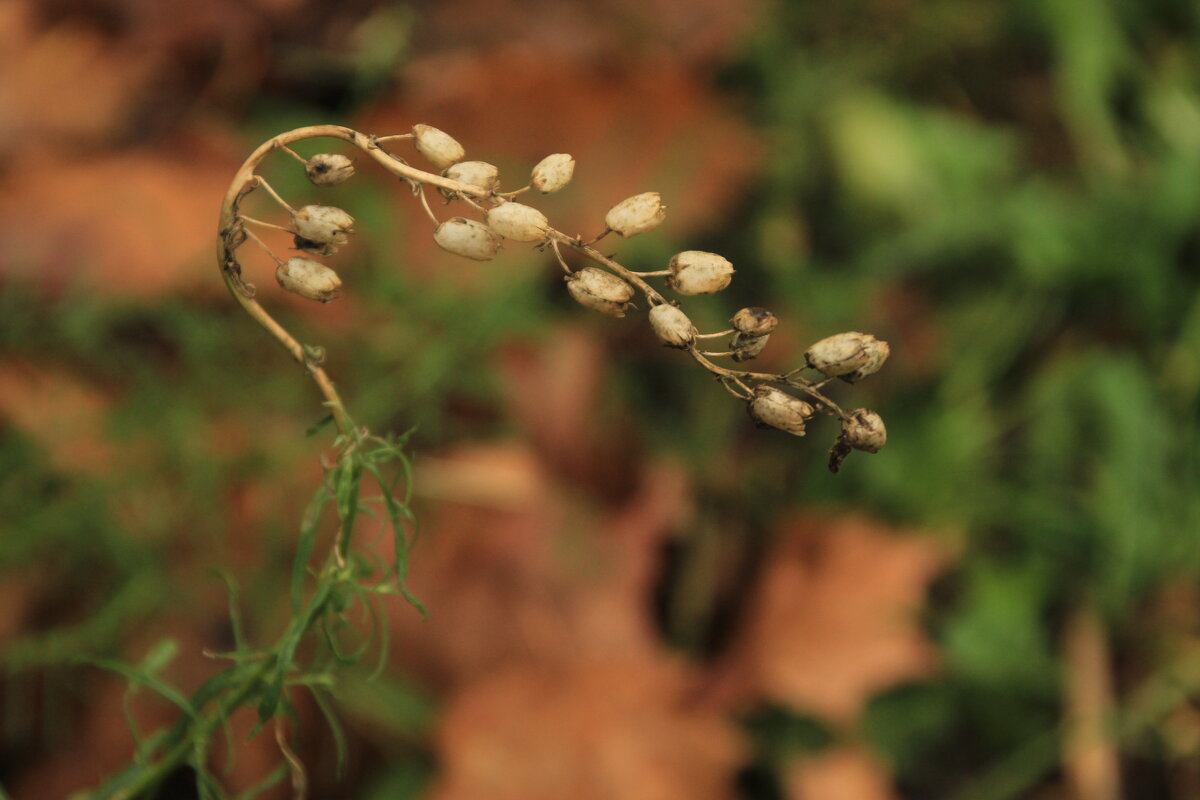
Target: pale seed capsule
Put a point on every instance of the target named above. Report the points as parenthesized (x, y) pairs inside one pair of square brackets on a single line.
[(466, 238), (844, 353), (439, 147), (328, 169), (672, 326), (877, 353), (746, 347), (754, 321), (476, 173), (778, 409), (323, 224), (518, 222), (310, 279), (637, 214), (552, 173), (599, 290), (322, 249), (864, 431), (698, 272)]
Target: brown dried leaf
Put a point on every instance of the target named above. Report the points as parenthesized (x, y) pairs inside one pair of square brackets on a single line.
[(63, 82), (60, 412), (137, 223), (592, 730), (695, 31), (517, 569), (834, 618), (843, 773)]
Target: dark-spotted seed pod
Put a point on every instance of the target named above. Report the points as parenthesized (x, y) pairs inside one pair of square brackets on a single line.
[(754, 321), (328, 169)]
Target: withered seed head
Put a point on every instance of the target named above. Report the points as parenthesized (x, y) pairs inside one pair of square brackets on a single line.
[(698, 272), (599, 290), (467, 238), (324, 224), (864, 430), (877, 353), (754, 321), (746, 347), (552, 173), (310, 279), (778, 409), (672, 326), (439, 147), (846, 354), (476, 173), (518, 222), (637, 214), (328, 169)]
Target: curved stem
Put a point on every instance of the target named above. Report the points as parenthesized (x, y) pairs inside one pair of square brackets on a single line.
[(232, 235)]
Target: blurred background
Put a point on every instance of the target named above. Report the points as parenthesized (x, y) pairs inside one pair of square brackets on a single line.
[(633, 593)]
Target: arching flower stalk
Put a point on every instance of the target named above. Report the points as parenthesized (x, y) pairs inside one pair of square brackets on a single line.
[(489, 215)]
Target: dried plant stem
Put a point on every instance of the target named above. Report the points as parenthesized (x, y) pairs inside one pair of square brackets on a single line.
[(295, 765), (1090, 761), (233, 232)]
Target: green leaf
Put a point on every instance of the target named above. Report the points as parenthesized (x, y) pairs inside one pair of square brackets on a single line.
[(235, 615), (140, 677), (305, 545), (335, 727)]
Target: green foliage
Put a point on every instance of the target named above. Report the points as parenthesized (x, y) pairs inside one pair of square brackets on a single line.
[(1009, 194)]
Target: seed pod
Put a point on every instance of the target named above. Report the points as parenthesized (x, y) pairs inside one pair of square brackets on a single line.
[(552, 173), (698, 272), (324, 224), (439, 147), (599, 290), (328, 169), (778, 409), (864, 431), (476, 173), (637, 214), (322, 249), (466, 238), (754, 321), (518, 222), (310, 279), (845, 353), (746, 347), (877, 353), (672, 326)]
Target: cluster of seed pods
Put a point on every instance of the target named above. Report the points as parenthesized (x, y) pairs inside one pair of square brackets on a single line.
[(786, 401)]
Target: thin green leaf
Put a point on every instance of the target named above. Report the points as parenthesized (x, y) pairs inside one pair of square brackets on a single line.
[(273, 692), (381, 622), (305, 545), (346, 478), (335, 727), (141, 678), (319, 425), (235, 614), (162, 654)]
